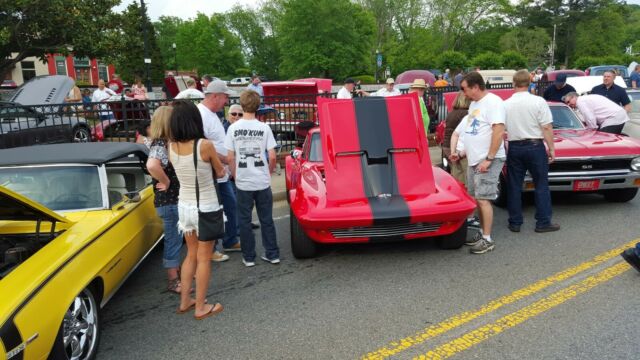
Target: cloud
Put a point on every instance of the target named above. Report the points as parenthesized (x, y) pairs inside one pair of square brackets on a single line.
[(185, 8)]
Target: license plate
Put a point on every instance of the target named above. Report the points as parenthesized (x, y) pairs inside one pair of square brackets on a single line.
[(586, 185)]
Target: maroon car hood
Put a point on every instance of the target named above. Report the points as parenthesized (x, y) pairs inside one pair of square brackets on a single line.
[(375, 150), (579, 143)]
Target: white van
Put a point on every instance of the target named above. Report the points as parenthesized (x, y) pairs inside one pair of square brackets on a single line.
[(497, 76), (240, 81)]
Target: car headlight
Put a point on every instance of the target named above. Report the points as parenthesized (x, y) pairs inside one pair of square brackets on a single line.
[(635, 164)]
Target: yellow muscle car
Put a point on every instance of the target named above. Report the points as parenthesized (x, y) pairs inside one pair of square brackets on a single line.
[(75, 221)]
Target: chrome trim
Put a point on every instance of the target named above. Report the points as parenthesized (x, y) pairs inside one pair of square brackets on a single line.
[(627, 183), (587, 158), (117, 287), (615, 172), (385, 230)]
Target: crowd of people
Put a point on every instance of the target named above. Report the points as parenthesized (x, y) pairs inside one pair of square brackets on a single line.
[(201, 166)]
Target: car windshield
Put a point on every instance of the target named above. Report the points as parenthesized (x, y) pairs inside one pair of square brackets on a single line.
[(315, 150), (565, 118), (56, 187)]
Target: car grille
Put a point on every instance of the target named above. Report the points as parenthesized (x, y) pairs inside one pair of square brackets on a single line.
[(590, 165), (385, 230)]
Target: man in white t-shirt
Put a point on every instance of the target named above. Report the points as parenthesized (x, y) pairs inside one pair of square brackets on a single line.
[(346, 91), (529, 125), (102, 95), (247, 141), (216, 96), (191, 92), (388, 90), (482, 133)]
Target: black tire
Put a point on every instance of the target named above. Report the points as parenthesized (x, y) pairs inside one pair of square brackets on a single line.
[(620, 195), (81, 134), (69, 329), (301, 245), (501, 200), (454, 240)]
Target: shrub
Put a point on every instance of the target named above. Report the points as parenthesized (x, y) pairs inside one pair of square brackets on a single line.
[(487, 60), (365, 79), (243, 72), (584, 62), (452, 60), (513, 60)]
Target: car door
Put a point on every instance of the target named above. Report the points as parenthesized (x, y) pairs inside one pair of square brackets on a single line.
[(19, 126), (53, 125)]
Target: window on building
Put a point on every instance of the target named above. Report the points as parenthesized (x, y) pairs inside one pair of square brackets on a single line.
[(28, 70), (82, 67), (61, 65), (102, 72)]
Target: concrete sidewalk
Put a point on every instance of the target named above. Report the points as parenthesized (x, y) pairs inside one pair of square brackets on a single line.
[(279, 190)]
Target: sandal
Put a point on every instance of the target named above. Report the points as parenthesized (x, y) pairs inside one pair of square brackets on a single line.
[(175, 286), (215, 309), (189, 308)]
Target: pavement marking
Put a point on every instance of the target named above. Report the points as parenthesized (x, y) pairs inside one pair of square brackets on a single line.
[(455, 321), (280, 217), (485, 332)]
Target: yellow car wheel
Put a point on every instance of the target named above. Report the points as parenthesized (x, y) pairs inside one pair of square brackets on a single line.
[(79, 332)]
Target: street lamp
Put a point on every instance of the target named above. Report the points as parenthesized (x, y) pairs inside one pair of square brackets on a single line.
[(175, 57), (147, 59)]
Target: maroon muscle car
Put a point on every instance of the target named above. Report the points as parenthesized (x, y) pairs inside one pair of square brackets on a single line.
[(365, 175)]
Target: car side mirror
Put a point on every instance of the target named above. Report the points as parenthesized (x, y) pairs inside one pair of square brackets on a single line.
[(296, 153), (132, 197)]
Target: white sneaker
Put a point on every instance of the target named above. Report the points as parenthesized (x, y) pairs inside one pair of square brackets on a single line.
[(273, 261), (217, 256), (248, 263)]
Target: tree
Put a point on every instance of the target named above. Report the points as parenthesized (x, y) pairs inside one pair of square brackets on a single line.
[(128, 46), (35, 28), (608, 39), (532, 43), (487, 60), (513, 60), (209, 47), (166, 30), (453, 60), (328, 38)]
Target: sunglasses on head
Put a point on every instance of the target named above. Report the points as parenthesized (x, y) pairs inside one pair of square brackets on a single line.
[(235, 114)]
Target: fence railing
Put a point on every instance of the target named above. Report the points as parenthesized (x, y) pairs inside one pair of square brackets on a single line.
[(123, 118)]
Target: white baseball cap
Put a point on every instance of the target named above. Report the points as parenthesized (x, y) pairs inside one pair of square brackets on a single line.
[(218, 87)]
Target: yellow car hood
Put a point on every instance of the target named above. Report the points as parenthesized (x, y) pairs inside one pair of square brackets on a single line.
[(16, 209)]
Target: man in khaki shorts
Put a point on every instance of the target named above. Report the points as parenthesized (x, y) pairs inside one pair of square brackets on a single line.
[(482, 134)]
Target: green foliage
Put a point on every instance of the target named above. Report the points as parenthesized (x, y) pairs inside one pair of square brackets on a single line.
[(513, 60), (327, 38), (532, 43), (365, 79), (166, 29), (243, 72), (482, 40), (607, 39), (487, 61), (414, 52), (128, 47), (586, 61), (35, 28), (453, 60)]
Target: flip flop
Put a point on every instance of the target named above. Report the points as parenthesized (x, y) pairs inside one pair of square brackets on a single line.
[(211, 312), (189, 308)]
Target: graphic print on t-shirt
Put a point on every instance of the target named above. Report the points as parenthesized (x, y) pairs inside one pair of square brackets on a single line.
[(250, 151), (473, 130)]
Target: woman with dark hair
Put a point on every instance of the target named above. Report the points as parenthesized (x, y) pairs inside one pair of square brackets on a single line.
[(186, 129)]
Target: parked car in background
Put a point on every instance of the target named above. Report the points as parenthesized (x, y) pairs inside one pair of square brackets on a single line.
[(240, 81), (553, 75), (8, 84), (35, 114), (632, 127), (354, 180), (600, 69), (584, 84), (176, 83), (293, 102), (76, 220), (502, 76), (405, 79)]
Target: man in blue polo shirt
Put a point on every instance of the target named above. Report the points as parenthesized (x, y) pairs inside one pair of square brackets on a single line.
[(611, 91)]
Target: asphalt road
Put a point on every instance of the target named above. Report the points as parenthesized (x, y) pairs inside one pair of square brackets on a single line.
[(564, 295)]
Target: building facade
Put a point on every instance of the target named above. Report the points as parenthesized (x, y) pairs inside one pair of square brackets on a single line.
[(84, 70)]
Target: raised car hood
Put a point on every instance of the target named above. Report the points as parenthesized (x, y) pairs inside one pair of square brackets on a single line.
[(580, 143), (375, 148), (15, 207)]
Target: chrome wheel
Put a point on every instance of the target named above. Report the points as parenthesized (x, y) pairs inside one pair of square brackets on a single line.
[(80, 327), (81, 135)]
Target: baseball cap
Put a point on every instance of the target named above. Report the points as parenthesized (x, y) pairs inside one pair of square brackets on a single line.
[(218, 87), (561, 79), (390, 81), (349, 81)]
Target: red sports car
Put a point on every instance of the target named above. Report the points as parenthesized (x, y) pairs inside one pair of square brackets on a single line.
[(365, 176)]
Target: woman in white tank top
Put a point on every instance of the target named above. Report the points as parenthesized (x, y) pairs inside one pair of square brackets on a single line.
[(186, 127)]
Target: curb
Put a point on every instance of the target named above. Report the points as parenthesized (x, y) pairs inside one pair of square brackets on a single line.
[(280, 196)]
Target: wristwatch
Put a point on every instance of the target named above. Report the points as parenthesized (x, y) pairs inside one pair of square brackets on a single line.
[(489, 159)]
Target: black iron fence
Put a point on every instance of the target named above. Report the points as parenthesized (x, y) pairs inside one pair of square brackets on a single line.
[(123, 119)]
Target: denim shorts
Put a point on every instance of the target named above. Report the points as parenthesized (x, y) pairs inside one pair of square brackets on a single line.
[(188, 215), (484, 186)]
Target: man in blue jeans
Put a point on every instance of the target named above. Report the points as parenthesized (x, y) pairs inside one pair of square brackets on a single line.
[(529, 126), (247, 142)]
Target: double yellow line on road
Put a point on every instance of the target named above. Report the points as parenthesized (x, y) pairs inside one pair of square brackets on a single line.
[(485, 332)]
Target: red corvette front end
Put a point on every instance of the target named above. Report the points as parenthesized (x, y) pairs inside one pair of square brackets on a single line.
[(366, 176)]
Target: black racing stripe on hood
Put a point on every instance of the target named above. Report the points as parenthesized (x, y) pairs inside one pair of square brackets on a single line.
[(11, 338), (379, 176)]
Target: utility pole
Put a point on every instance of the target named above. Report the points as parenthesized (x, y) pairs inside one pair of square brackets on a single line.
[(553, 46), (147, 59)]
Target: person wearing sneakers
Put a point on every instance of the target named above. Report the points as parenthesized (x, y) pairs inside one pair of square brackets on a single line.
[(187, 137), (247, 142), (481, 132), (632, 256), (529, 126), (216, 96)]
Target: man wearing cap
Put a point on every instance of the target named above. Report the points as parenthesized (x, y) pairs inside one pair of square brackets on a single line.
[(191, 92), (216, 95), (611, 91), (598, 112), (388, 90), (559, 89), (419, 86), (347, 89)]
